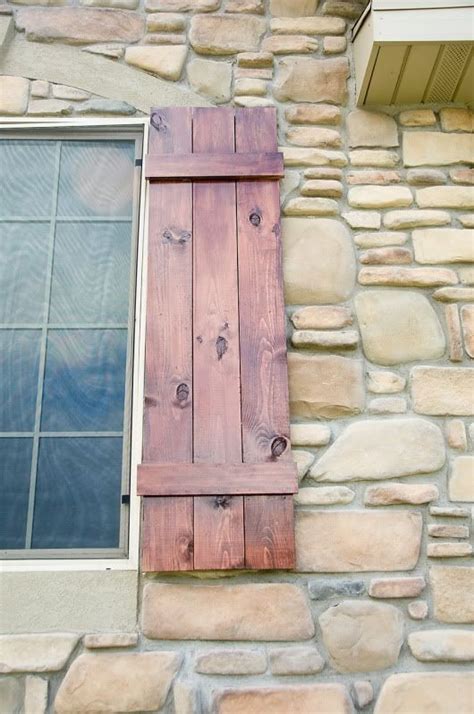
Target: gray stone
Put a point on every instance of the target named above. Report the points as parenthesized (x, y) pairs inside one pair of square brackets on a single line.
[(11, 695), (104, 106), (326, 589), (36, 695)]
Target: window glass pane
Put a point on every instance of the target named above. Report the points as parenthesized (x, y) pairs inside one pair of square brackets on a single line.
[(19, 362), (84, 380), (78, 493), (26, 178), (96, 178), (91, 273), (15, 468), (23, 259)]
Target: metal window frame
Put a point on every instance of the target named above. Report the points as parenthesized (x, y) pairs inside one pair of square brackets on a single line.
[(102, 559)]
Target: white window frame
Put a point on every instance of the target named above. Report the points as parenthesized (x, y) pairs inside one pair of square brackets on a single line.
[(131, 560)]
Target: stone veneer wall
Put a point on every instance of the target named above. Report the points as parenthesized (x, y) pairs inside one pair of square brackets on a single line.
[(380, 288)]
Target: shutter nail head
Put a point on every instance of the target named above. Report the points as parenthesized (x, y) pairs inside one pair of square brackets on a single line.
[(255, 218)]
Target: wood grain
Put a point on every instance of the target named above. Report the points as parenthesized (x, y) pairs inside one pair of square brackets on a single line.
[(215, 166)]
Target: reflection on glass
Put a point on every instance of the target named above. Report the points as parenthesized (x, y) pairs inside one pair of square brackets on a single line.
[(84, 380), (91, 272), (19, 361), (78, 493), (26, 178), (15, 467), (23, 259)]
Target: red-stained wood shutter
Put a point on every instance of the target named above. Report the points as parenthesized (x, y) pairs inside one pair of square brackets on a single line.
[(217, 476)]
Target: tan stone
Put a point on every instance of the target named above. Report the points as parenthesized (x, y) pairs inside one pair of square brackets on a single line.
[(378, 178), (312, 80), (318, 261), (362, 636), (124, 4), (312, 157), (456, 434), (324, 188), (379, 158), (40, 88), (247, 85), (350, 541), (255, 59), (226, 612), (80, 25), (382, 382), (164, 38), (295, 660), (225, 34), (449, 511), (109, 49), (323, 173), (324, 386), (334, 45), (425, 177), (113, 639), (387, 405), (343, 8), (466, 275), (293, 8), (381, 238), (117, 682), (315, 25), (442, 645), (35, 653), (390, 448), (418, 609), (313, 114), (453, 328), (251, 6), (325, 339), (11, 694), (182, 5), (379, 196), (449, 550), (321, 317), (462, 176), (398, 326), (444, 245), (213, 79), (452, 588), (362, 219), (253, 73), (327, 698), (303, 460), (400, 493), (461, 481), (441, 530), (417, 117), (467, 220), (36, 695), (426, 693), (443, 390), (386, 256), (165, 22), (454, 295), (311, 207), (412, 219), (48, 107), (445, 197), (404, 277), (13, 95), (166, 62), (324, 496), (431, 148), (289, 44), (371, 129), (397, 587), (231, 662), (313, 136), (457, 119), (467, 319), (310, 434)]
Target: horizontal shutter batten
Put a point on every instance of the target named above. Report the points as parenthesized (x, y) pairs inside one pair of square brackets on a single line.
[(216, 166)]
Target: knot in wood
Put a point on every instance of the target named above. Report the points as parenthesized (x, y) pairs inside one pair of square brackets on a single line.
[(222, 501), (158, 122), (172, 234), (221, 347), (278, 446), (255, 218), (182, 392)]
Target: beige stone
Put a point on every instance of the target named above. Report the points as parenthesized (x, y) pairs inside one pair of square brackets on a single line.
[(461, 480), (295, 660), (467, 319), (362, 693), (182, 5), (362, 219), (379, 196), (316, 25), (381, 238), (371, 129), (312, 80), (293, 8), (312, 157), (303, 460), (313, 114), (321, 317), (431, 148), (112, 639), (362, 636), (466, 275), (324, 496), (418, 609), (343, 8), (80, 25), (417, 117), (389, 448), (166, 62), (454, 295), (40, 88), (165, 22), (11, 694), (253, 72), (186, 698), (453, 328), (386, 256), (397, 587), (425, 177), (164, 38), (325, 339), (247, 85), (310, 434), (387, 405), (444, 245), (231, 662), (48, 107), (378, 178), (442, 645), (61, 91), (252, 101), (251, 6), (334, 45), (226, 612), (311, 207), (445, 197), (124, 4), (330, 698), (412, 219), (225, 34), (449, 511), (325, 172), (213, 79), (313, 136), (324, 386), (407, 277), (426, 693), (13, 95), (288, 184), (441, 530), (326, 187), (379, 158), (255, 59), (443, 390), (400, 493), (36, 695), (456, 119), (384, 382), (462, 176), (117, 682), (452, 588), (35, 653), (456, 434), (318, 261), (449, 550), (109, 49), (350, 541), (289, 44), (467, 220), (398, 326)]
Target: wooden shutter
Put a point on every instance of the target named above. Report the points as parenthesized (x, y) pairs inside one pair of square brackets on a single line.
[(217, 475)]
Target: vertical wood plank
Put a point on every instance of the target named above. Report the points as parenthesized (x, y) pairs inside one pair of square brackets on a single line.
[(218, 521), (167, 541), (269, 531)]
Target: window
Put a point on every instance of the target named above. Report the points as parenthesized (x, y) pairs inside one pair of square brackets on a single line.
[(68, 246)]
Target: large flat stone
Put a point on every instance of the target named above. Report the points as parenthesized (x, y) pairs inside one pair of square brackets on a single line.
[(452, 588), (166, 61), (362, 636), (426, 693), (371, 129), (325, 386), (80, 25), (312, 80), (439, 391), (388, 448), (461, 480), (432, 148), (117, 682), (35, 653), (213, 79), (13, 95), (442, 645), (225, 34), (226, 612), (444, 245), (306, 699), (357, 541), (398, 326)]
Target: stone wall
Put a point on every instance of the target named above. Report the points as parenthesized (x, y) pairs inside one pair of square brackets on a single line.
[(378, 253)]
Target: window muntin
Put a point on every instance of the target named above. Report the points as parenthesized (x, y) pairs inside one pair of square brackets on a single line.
[(67, 272)]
